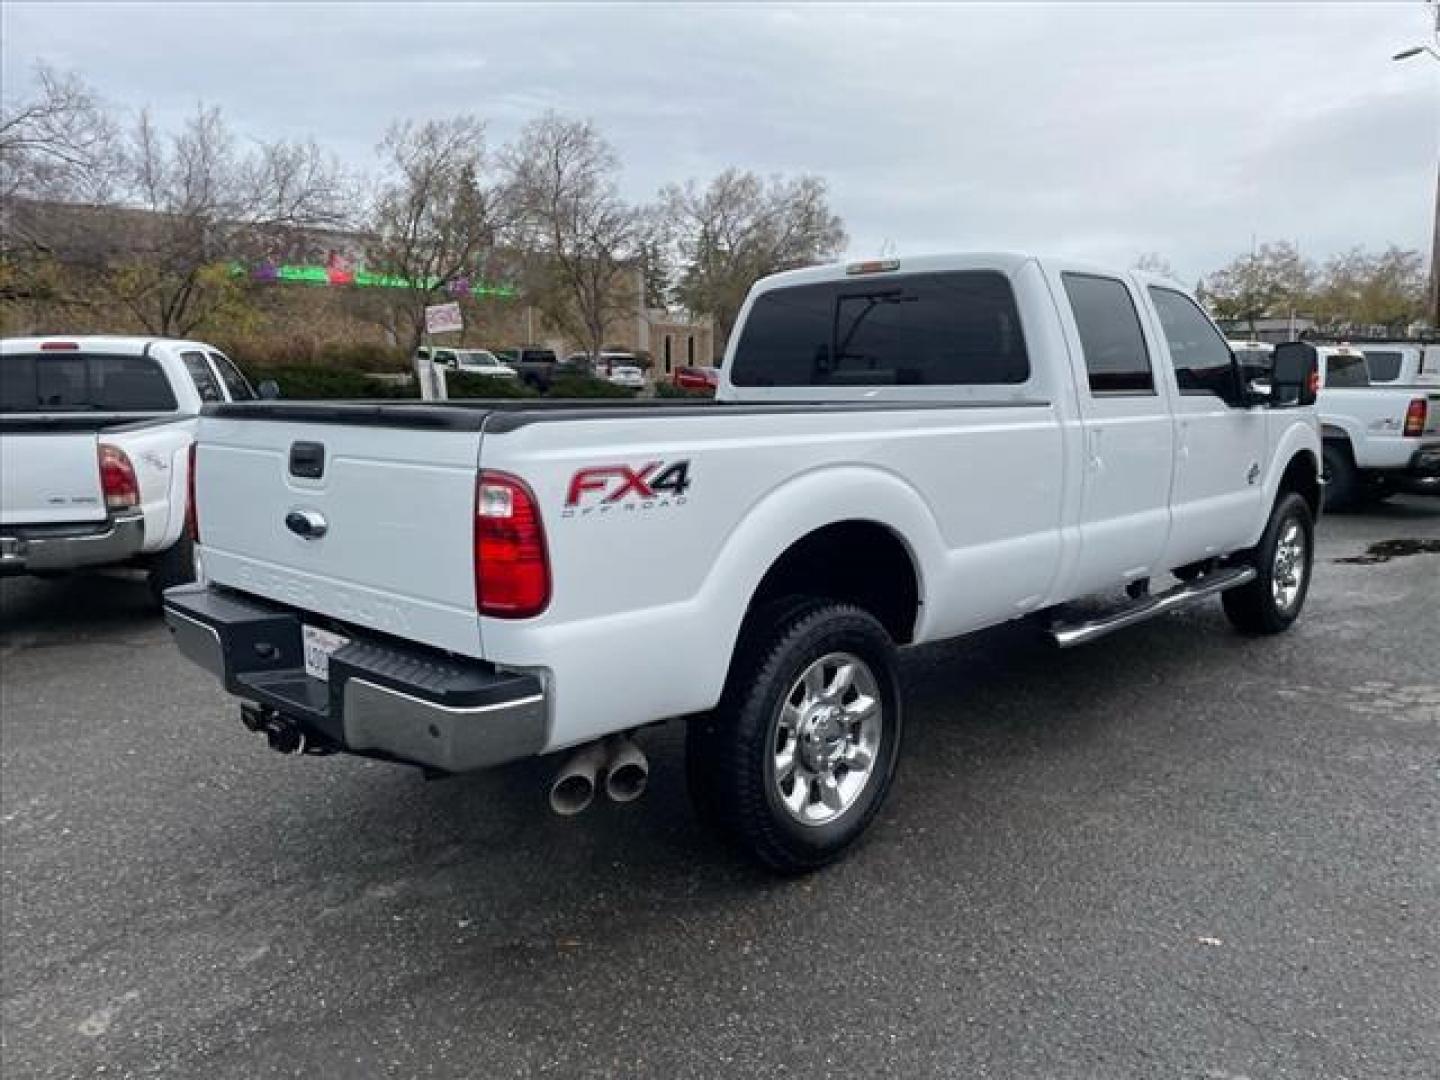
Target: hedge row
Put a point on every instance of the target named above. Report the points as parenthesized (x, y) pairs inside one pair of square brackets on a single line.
[(307, 383), (301, 352)]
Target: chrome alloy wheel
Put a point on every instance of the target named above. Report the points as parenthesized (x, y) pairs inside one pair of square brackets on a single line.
[(1287, 576), (827, 738)]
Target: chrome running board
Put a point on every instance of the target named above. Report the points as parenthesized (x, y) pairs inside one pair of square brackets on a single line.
[(1147, 607)]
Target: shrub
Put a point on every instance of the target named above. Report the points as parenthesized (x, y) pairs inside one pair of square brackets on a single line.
[(586, 386), (364, 356), (328, 384), (460, 385), (670, 390)]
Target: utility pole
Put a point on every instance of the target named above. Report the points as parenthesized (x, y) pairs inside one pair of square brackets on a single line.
[(1432, 51)]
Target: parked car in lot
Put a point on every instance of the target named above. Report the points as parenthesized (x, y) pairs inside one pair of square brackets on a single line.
[(1378, 439), (95, 440), (901, 451), (536, 366), (696, 378), (632, 378), (468, 361)]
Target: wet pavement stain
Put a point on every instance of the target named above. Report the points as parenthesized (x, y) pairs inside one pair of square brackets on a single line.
[(1386, 550)]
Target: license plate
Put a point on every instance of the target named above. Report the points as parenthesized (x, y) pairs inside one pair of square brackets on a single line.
[(319, 646)]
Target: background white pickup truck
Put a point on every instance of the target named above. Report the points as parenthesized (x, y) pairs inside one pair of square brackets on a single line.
[(1378, 438), (901, 451), (95, 437)]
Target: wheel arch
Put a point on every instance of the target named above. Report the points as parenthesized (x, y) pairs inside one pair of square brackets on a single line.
[(856, 560), (1302, 476)]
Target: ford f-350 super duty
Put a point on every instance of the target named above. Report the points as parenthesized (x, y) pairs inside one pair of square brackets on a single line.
[(900, 451)]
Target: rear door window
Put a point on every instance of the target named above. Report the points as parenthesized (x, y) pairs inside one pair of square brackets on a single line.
[(1201, 358), (1116, 358), (958, 329), (206, 385), (1384, 364), (236, 384), (83, 382)]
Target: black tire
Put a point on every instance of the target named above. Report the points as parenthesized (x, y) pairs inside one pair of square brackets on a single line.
[(1255, 608), (1342, 482), (173, 566), (730, 752)]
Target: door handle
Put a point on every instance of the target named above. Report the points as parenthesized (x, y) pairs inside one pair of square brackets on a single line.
[(1093, 460)]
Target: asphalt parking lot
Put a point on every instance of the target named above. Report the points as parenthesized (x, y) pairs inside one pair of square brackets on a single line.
[(1175, 853)]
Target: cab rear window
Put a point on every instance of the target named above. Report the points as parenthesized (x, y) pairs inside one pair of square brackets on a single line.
[(1346, 370), (957, 329), (59, 382)]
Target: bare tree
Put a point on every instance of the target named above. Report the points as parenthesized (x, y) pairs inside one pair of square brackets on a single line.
[(1152, 262), (1271, 281), (583, 237), (740, 228), (437, 219), (208, 205), (62, 143), (1359, 290)]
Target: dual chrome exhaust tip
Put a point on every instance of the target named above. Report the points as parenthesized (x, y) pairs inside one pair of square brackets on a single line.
[(617, 764)]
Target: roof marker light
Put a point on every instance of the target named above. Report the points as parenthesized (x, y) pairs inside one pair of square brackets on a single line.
[(873, 266)]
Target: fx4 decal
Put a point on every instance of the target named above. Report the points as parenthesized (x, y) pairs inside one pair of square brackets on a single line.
[(606, 489)]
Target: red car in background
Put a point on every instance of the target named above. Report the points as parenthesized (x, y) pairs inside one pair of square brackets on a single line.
[(697, 378)]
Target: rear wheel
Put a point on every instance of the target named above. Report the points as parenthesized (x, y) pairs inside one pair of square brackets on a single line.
[(1282, 560), (1339, 474), (796, 760)]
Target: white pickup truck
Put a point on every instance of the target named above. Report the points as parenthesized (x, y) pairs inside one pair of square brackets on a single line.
[(1381, 435), (95, 437), (900, 451), (1379, 438)]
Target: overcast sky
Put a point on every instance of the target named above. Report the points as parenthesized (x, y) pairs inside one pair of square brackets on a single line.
[(1102, 131)]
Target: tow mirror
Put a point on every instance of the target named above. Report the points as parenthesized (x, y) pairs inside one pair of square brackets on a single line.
[(269, 390), (1294, 374)]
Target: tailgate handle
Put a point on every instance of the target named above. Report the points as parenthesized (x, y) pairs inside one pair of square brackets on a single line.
[(307, 459), (310, 524)]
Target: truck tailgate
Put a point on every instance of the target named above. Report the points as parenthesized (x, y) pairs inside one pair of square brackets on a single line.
[(49, 478), (394, 506)]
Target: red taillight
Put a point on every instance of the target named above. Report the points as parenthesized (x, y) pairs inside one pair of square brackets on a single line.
[(59, 346), (192, 509), (512, 568), (117, 479), (1415, 418)]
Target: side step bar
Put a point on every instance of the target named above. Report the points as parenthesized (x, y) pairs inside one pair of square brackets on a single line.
[(1147, 607)]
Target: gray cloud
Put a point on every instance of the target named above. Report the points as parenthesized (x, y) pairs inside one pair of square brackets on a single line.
[(1101, 131)]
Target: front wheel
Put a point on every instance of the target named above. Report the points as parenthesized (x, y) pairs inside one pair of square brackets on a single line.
[(796, 760), (1283, 560)]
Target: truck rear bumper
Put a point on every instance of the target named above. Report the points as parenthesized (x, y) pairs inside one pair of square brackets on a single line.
[(1422, 476), (28, 549), (385, 700)]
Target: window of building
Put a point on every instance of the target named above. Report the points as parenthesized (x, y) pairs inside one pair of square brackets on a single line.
[(956, 329), (667, 354), (690, 349), (1202, 361), (1110, 336)]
